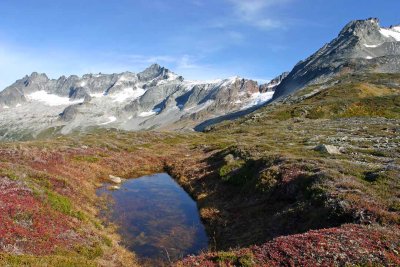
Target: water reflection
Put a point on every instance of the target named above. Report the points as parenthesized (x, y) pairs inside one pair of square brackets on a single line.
[(157, 219)]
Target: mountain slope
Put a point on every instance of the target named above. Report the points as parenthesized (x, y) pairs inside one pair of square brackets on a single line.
[(311, 180), (362, 46)]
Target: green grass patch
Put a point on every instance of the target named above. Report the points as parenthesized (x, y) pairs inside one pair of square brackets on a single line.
[(90, 253), (85, 158), (10, 174), (53, 260), (245, 260), (59, 202), (63, 204)]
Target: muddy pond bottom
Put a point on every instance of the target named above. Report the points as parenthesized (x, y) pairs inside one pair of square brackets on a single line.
[(157, 219)]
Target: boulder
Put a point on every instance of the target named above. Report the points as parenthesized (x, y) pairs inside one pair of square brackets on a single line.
[(332, 150), (115, 179), (229, 159)]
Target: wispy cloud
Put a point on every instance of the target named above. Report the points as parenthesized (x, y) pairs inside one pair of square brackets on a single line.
[(143, 59), (258, 13)]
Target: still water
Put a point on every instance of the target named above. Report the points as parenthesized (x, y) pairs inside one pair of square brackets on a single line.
[(157, 219)]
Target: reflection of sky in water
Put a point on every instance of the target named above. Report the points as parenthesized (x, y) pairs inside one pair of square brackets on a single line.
[(157, 216)]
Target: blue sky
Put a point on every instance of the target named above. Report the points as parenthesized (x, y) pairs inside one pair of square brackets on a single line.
[(199, 39)]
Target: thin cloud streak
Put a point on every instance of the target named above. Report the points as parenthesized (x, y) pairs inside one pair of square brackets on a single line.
[(257, 13)]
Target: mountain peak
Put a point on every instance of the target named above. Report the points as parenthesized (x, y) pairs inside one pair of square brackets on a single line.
[(362, 46), (361, 27), (36, 75), (151, 72), (156, 71), (154, 66)]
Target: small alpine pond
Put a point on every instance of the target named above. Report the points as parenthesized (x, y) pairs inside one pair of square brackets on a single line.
[(156, 218)]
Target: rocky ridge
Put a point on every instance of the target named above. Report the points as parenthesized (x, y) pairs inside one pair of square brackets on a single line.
[(361, 46), (153, 98)]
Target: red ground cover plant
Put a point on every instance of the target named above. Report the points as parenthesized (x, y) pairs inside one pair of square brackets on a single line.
[(355, 244), (27, 225)]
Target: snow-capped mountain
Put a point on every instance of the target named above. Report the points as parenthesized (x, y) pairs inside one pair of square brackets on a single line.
[(362, 46), (157, 98), (154, 98)]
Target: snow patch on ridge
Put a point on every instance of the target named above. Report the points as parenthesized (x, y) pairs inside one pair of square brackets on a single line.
[(393, 32), (51, 99), (110, 120), (96, 95), (371, 46), (149, 113), (258, 99), (127, 93)]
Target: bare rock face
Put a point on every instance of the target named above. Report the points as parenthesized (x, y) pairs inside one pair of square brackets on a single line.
[(362, 46), (78, 93), (271, 86), (155, 71), (70, 113), (15, 94)]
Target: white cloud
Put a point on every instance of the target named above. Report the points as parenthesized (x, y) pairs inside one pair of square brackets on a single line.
[(186, 62), (258, 13), (141, 59), (236, 36)]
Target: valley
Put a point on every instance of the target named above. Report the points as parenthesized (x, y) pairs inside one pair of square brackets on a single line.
[(289, 187), (301, 171)]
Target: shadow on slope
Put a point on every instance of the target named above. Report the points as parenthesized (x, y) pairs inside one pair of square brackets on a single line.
[(231, 116)]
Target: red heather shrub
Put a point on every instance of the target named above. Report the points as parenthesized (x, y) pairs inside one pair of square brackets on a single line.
[(27, 225)]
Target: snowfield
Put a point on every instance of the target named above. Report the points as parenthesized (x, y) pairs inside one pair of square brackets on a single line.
[(51, 99)]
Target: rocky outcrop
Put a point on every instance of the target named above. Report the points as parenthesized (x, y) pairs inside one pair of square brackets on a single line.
[(70, 113), (271, 85)]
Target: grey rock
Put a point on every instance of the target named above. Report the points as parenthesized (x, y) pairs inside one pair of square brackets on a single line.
[(153, 72), (273, 84), (78, 93), (329, 149), (70, 113)]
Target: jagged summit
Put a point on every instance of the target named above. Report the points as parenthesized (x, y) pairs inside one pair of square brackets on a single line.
[(368, 29), (152, 72), (362, 45)]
